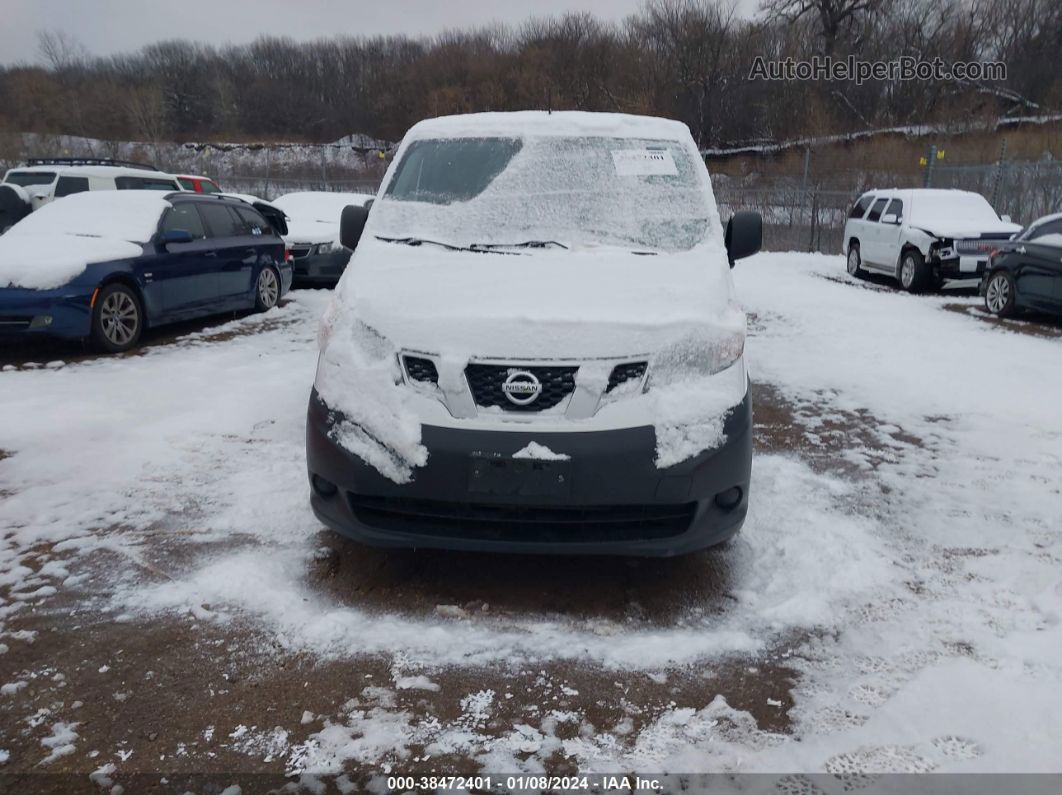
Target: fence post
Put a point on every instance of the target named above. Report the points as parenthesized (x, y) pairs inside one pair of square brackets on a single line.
[(929, 165), (999, 173)]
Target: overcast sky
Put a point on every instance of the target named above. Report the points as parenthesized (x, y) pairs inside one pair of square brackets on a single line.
[(109, 26)]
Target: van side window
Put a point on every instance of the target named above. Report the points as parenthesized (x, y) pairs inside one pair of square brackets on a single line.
[(895, 208), (187, 184), (184, 216), (875, 211), (67, 185), (859, 209)]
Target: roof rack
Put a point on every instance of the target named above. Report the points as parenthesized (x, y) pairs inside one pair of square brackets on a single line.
[(87, 161)]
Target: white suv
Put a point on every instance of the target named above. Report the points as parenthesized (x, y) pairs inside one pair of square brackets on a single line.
[(536, 346), (923, 236), (42, 180)]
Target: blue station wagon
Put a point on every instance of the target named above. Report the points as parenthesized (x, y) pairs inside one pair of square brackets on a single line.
[(106, 265)]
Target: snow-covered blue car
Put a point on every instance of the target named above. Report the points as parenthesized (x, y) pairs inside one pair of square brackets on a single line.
[(105, 265)]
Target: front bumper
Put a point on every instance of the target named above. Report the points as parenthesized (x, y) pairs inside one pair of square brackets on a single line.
[(618, 501), (321, 268), (64, 313), (963, 267)]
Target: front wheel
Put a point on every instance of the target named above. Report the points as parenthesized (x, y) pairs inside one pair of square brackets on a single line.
[(117, 319), (914, 273), (267, 291), (854, 262), (1000, 294)]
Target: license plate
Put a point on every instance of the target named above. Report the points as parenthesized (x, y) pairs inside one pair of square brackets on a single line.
[(519, 477)]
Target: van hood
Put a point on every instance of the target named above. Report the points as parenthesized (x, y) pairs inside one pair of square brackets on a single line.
[(594, 302), (961, 231)]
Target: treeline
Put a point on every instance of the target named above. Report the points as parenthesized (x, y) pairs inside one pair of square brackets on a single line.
[(685, 59)]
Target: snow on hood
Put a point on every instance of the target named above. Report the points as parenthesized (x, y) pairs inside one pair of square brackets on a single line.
[(954, 213), (588, 303), (54, 245), (313, 216)]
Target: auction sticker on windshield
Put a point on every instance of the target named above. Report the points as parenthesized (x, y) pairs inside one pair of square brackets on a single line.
[(643, 162)]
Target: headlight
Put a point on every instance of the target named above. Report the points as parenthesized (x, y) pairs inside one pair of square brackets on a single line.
[(325, 248), (697, 357)]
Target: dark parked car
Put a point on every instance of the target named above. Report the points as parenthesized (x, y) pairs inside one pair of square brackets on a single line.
[(1026, 272), (105, 265), (317, 256)]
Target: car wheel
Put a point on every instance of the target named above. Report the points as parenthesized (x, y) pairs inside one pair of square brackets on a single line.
[(267, 291), (914, 275), (1000, 294), (117, 319), (854, 261)]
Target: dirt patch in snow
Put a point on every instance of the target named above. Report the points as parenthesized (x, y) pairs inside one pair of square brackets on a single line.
[(188, 700), (1035, 324), (848, 443), (631, 593)]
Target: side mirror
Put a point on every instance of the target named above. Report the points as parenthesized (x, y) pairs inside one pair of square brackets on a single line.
[(368, 203), (744, 235), (351, 225), (1005, 219), (890, 219), (171, 236)]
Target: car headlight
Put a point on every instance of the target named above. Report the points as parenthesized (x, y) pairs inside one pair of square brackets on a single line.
[(325, 248), (697, 357)]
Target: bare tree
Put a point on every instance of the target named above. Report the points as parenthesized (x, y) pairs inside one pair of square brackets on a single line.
[(833, 16)]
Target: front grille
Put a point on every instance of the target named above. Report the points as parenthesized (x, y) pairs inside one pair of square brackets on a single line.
[(298, 252), (419, 369), (543, 524), (15, 321), (621, 373), (979, 247), (485, 381)]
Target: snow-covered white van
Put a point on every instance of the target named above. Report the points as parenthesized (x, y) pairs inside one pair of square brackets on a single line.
[(536, 345)]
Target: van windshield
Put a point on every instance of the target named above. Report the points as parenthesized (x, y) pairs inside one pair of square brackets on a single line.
[(578, 191)]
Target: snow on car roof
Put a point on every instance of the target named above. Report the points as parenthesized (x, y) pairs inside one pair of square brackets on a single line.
[(541, 123), (53, 245), (95, 171)]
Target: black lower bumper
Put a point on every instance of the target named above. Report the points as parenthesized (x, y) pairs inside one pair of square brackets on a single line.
[(614, 501)]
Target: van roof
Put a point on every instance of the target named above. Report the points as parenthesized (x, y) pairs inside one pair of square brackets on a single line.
[(567, 123)]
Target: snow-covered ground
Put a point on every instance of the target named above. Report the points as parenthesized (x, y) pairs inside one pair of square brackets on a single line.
[(893, 603)]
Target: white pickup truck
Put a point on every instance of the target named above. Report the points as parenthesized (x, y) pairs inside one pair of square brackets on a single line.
[(923, 237)]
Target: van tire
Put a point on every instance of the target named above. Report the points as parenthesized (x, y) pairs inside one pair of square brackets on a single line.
[(913, 273), (855, 264)]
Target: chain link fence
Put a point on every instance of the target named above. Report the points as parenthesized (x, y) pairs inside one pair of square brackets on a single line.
[(812, 219)]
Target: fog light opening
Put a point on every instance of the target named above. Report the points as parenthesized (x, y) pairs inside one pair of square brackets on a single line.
[(41, 321), (325, 488), (729, 499)]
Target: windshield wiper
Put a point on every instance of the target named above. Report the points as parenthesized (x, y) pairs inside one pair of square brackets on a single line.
[(525, 244), (419, 241)]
